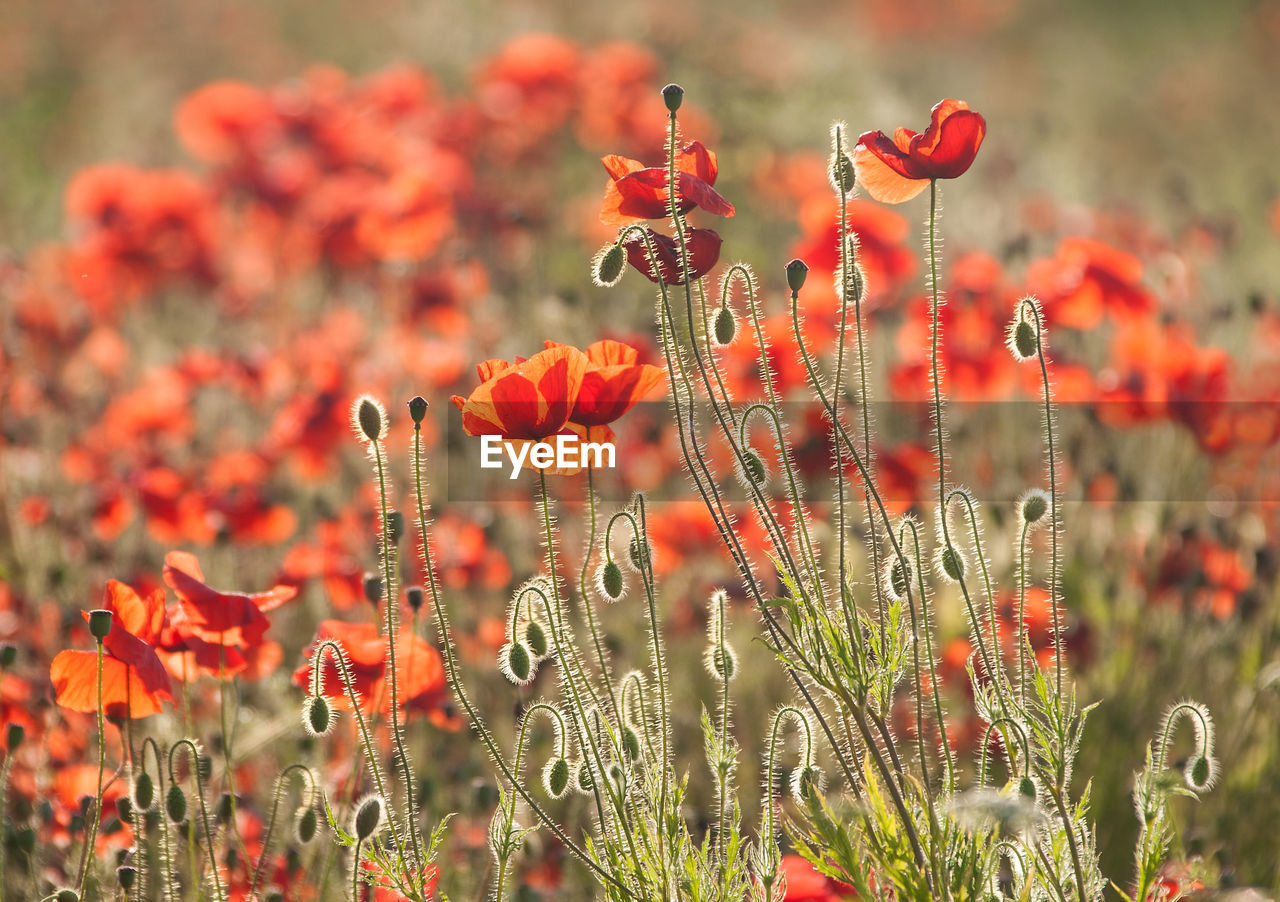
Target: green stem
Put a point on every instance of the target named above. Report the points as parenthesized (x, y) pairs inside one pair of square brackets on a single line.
[(89, 853)]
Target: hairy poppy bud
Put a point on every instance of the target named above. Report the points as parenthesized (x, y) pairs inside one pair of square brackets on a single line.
[(305, 824), (99, 624), (536, 638), (175, 804), (274, 895), (395, 526), (515, 663), (67, 895), (414, 596), (897, 578), (126, 874), (26, 840), (222, 811), (586, 780), (1027, 787), (673, 96), (231, 858), (630, 741), (724, 326), (204, 766), (611, 584), (317, 716), (607, 267), (292, 861), (14, 735), (797, 272), (842, 172), (555, 777), (1201, 773), (1024, 343), (721, 662), (373, 588), (418, 409), (144, 791), (8, 654), (806, 782), (124, 808), (951, 563), (369, 418), (369, 817), (752, 466), (1034, 505), (640, 554)]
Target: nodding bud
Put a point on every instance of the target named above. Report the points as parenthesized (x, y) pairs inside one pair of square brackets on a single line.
[(1022, 341), (126, 874), (752, 467), (305, 824), (724, 326), (1201, 773), (369, 418), (143, 792), (951, 563), (842, 172), (1027, 787), (124, 809), (231, 858), (584, 778), (611, 583), (418, 409), (630, 741), (13, 736), (317, 716), (1034, 505), (897, 578), (721, 662), (536, 638), (204, 767), (414, 596), (99, 624), (175, 804), (640, 554), (274, 895), (515, 663), (395, 526), (369, 817), (673, 96), (8, 654), (555, 777), (222, 811), (67, 895), (797, 272), (373, 588), (608, 265), (806, 783)]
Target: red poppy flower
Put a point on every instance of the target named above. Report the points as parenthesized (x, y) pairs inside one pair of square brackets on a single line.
[(639, 192), (704, 253), (221, 618), (896, 169), (613, 382), (134, 682), (525, 400)]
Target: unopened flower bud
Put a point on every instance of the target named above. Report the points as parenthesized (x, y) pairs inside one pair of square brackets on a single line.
[(806, 782), (536, 638), (630, 741), (274, 895), (231, 858), (67, 895), (951, 563), (373, 588), (586, 780), (99, 624), (673, 96), (724, 326), (515, 663), (555, 777), (842, 172), (317, 716), (369, 418), (124, 809), (418, 409), (14, 734), (607, 267), (640, 554), (175, 804), (126, 874), (611, 584), (395, 526), (897, 578), (797, 272), (752, 466), (1034, 505), (8, 654), (144, 791), (369, 817), (305, 824), (222, 811), (1024, 342), (204, 766), (1027, 787)]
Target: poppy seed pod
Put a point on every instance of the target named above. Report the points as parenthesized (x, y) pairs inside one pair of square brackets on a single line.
[(418, 409), (369, 815), (372, 588), (175, 804), (797, 272), (414, 596), (99, 624), (607, 267), (369, 418), (611, 584), (724, 326), (673, 96)]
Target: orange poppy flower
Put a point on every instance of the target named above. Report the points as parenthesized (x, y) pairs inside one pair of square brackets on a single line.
[(221, 618), (704, 253), (525, 400), (637, 191), (134, 682), (896, 169), (613, 382)]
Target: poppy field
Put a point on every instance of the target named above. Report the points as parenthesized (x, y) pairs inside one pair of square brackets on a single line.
[(639, 454)]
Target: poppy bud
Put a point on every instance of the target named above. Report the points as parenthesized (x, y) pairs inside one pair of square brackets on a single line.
[(752, 466), (640, 553), (951, 563), (124, 808), (673, 96), (724, 326), (204, 766), (606, 268), (515, 663), (231, 858), (222, 811), (274, 895), (536, 638), (630, 742), (555, 777), (305, 824), (292, 861), (175, 804), (126, 874), (1027, 787), (611, 584), (395, 526), (144, 791), (842, 172), (373, 588), (317, 716), (806, 782), (100, 624), (14, 735), (897, 578), (1201, 773), (67, 895), (369, 418), (418, 409), (369, 817), (1034, 505), (721, 662), (414, 596), (1023, 341), (585, 779), (26, 840), (8, 654), (797, 272)]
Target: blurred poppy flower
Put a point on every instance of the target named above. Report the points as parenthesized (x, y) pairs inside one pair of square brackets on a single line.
[(134, 682), (221, 618), (637, 191), (896, 169), (528, 399), (704, 253), (613, 382)]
